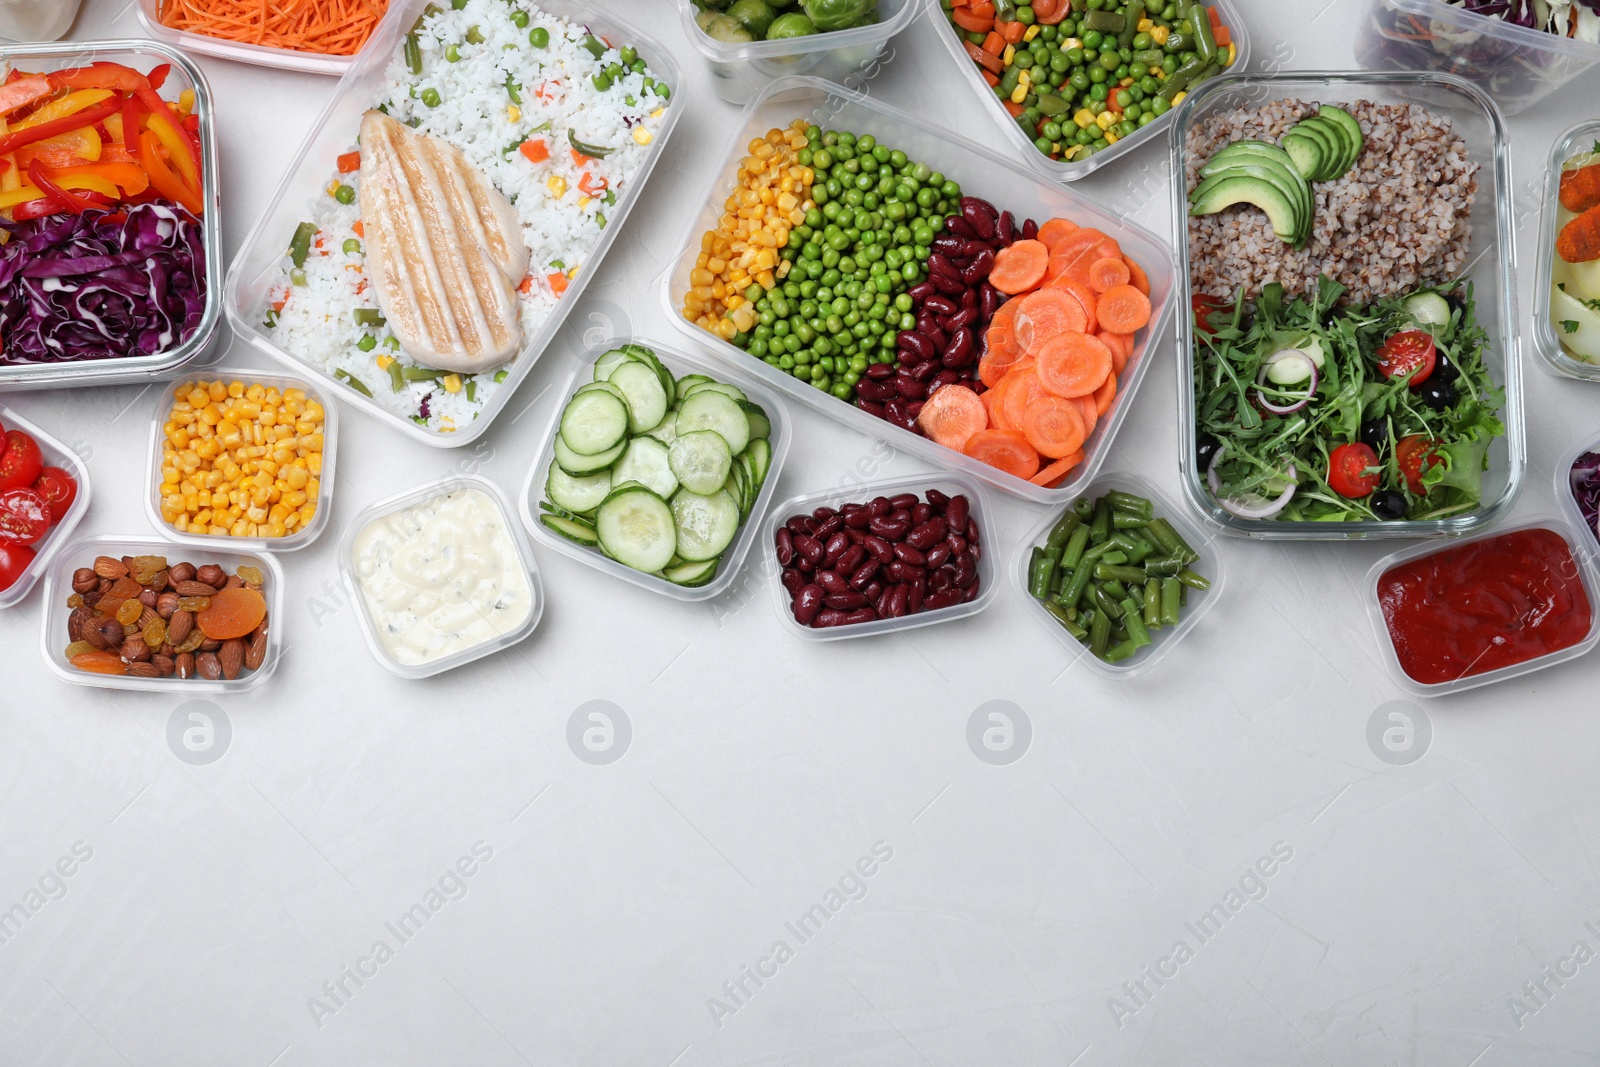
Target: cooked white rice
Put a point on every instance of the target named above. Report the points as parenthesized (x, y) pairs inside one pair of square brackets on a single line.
[(561, 223)]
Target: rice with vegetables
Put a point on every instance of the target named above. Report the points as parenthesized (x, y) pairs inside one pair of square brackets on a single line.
[(555, 119), (1399, 219)]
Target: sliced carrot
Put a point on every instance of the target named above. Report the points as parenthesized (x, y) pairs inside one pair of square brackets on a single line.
[(994, 44), (991, 405), (1023, 393), (1009, 452), (1123, 309), (990, 78), (1012, 31), (1013, 109), (1054, 428), (982, 58), (1049, 476), (1136, 276), (1213, 17), (1044, 313), (1088, 412), (1019, 267), (952, 414), (1107, 273), (1056, 230), (1087, 299), (1104, 395), (1121, 345), (1073, 364), (1223, 37)]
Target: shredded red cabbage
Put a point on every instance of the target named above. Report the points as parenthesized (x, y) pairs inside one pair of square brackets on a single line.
[(80, 287), (1585, 480)]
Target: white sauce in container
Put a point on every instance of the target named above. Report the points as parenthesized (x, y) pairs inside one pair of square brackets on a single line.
[(441, 577)]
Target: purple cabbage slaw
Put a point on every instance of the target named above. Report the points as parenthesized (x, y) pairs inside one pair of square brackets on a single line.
[(1585, 481), (1516, 12), (77, 287)]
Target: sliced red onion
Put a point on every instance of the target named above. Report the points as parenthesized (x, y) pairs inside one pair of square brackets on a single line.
[(1252, 506), (1311, 383)]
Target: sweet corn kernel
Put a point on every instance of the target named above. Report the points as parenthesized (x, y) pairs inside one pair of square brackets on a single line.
[(1231, 55), (1083, 118), (1144, 25), (384, 361), (452, 383), (1020, 93), (1009, 54), (1030, 33), (557, 186), (642, 135), (1106, 119), (513, 113), (1112, 137), (1176, 100), (1159, 34)]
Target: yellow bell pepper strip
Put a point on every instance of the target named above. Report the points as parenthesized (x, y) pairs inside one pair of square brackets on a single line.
[(20, 195), (177, 146), (113, 125), (162, 178), (70, 149), (14, 140), (44, 178), (71, 104), (22, 92), (101, 75), (105, 178)]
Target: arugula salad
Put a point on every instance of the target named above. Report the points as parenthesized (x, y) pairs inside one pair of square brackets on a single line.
[(1310, 412)]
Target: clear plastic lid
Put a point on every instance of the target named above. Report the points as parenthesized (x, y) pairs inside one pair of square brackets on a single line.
[(56, 454)]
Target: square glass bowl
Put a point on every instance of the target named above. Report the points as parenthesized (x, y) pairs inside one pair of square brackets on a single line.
[(56, 454), (185, 74), (330, 440), (1490, 255), (1575, 141), (678, 363), (82, 552), (1005, 184), (1022, 144), (740, 71), (1583, 555), (240, 51), (948, 483), (408, 505), (1209, 566), (255, 268)]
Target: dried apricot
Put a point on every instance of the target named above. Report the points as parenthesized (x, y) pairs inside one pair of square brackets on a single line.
[(99, 663), (125, 588), (233, 613)]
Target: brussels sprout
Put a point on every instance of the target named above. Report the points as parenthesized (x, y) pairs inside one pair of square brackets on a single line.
[(793, 24), (827, 15), (726, 29), (753, 15)]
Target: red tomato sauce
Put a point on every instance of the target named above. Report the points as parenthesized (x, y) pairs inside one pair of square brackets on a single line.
[(1478, 607)]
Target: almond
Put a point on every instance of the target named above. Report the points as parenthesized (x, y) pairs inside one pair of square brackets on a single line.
[(183, 662), (144, 670), (164, 664), (193, 588), (106, 567), (133, 650), (256, 654), (178, 626), (207, 666), (231, 656)]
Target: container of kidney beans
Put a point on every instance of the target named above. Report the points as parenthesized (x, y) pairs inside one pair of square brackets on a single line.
[(886, 556)]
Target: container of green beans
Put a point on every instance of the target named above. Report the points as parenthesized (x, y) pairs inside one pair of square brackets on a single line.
[(1119, 574)]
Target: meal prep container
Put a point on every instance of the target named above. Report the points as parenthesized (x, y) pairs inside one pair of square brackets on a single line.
[(401, 502), (56, 454), (740, 71), (185, 74), (238, 51), (1490, 258), (1589, 544), (1209, 566), (1576, 141), (256, 266), (948, 483), (36, 20), (1582, 552), (330, 439), (1516, 65), (81, 553), (1055, 169), (679, 363), (1007, 185)]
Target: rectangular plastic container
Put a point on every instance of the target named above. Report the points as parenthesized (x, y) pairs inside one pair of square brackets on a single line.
[(36, 20), (950, 485), (330, 441), (1562, 485), (81, 553), (1490, 257), (402, 502), (1582, 553), (1056, 170), (239, 51), (1515, 65), (1008, 185), (740, 71), (679, 363), (255, 267), (56, 454), (1575, 141), (1209, 565), (142, 55)]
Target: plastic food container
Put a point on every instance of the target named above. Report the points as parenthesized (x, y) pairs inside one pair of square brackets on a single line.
[(1209, 566), (1490, 255), (402, 502), (255, 268), (1055, 169), (679, 363), (948, 483), (36, 20), (740, 71), (1582, 552), (238, 51), (81, 553), (141, 55), (56, 454), (1575, 141), (330, 440), (1516, 65), (1004, 183), (1562, 484)]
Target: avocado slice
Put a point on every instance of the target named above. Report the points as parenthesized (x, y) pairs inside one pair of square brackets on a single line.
[(1306, 151), (1301, 224), (1229, 190), (1264, 161), (1341, 118), (1329, 137)]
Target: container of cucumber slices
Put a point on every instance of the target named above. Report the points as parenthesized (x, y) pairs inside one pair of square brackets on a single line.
[(654, 465)]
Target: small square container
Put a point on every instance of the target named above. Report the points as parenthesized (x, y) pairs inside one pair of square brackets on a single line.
[(950, 484), (1516, 65), (36, 20), (330, 440), (1055, 169), (1209, 565), (141, 55), (740, 71), (82, 552), (1589, 544), (1005, 184), (1574, 142), (679, 363), (401, 502), (239, 51), (56, 454), (255, 268), (1582, 553), (1490, 258)]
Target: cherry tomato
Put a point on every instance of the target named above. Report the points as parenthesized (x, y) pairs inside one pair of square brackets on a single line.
[(1408, 352), (24, 516), (1203, 306), (1348, 473), (14, 559), (21, 461), (1415, 454), (59, 489)]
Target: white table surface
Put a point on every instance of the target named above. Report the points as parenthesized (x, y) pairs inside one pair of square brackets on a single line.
[(619, 898)]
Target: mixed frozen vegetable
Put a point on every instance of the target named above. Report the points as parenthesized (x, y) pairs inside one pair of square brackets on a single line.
[(743, 21)]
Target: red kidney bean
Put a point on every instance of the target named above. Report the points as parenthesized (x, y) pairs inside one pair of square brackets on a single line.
[(864, 573), (975, 216), (914, 409), (831, 583), (807, 604), (935, 335), (962, 350), (957, 543), (873, 409), (944, 377), (941, 305), (897, 600), (914, 597), (950, 286), (797, 524), (823, 514), (988, 301), (946, 243), (828, 529), (936, 498), (859, 615), (908, 387), (956, 512), (785, 545), (908, 554), (830, 617), (903, 572), (858, 518), (958, 225), (926, 535), (792, 580), (851, 559), (944, 598), (845, 601), (979, 268), (920, 292), (921, 513), (1005, 230), (879, 371), (903, 500), (878, 548), (901, 515), (809, 547), (937, 555), (889, 529), (939, 263), (1030, 230), (834, 548), (974, 551), (923, 371), (965, 576), (878, 505), (939, 579), (964, 317), (875, 391), (969, 299), (873, 590), (972, 531)]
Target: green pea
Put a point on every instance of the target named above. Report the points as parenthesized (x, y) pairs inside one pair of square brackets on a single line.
[(1093, 39), (1025, 15), (430, 97), (539, 37), (601, 81), (367, 342), (345, 194), (452, 54), (629, 54), (519, 19), (352, 247), (1110, 60)]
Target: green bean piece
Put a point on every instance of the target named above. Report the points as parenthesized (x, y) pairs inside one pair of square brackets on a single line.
[(1169, 601), (397, 379), (300, 247), (1173, 542), (1132, 618), (1134, 505), (1041, 568), (1152, 604), (1122, 520), (1115, 588), (367, 342), (1141, 549), (1179, 79), (1100, 529), (367, 317), (1064, 617), (1084, 507), (297, 277), (1205, 43), (1130, 23), (413, 54), (1104, 21), (1164, 568), (1193, 580), (1107, 572), (355, 383), (1105, 601), (511, 90), (1074, 589), (595, 46), (1063, 529), (420, 374), (1183, 595), (1120, 651), (1115, 557), (345, 194), (1100, 633), (1075, 546)]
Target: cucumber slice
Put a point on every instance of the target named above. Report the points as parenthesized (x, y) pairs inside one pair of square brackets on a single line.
[(604, 387), (700, 460), (705, 524), (573, 463), (692, 574), (760, 453), (636, 528), (645, 462), (1428, 308), (738, 488), (732, 392), (579, 494), (610, 361), (593, 422), (712, 410), (666, 431), (647, 400), (571, 529), (690, 380), (760, 425)]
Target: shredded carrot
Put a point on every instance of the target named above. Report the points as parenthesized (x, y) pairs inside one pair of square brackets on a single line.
[(330, 27)]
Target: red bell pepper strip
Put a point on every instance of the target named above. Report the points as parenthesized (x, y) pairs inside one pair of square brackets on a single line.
[(158, 75), (100, 76), (46, 205), (162, 178), (22, 92), (43, 177), (87, 117), (130, 122)]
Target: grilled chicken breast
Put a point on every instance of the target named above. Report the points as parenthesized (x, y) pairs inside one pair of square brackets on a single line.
[(444, 249)]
